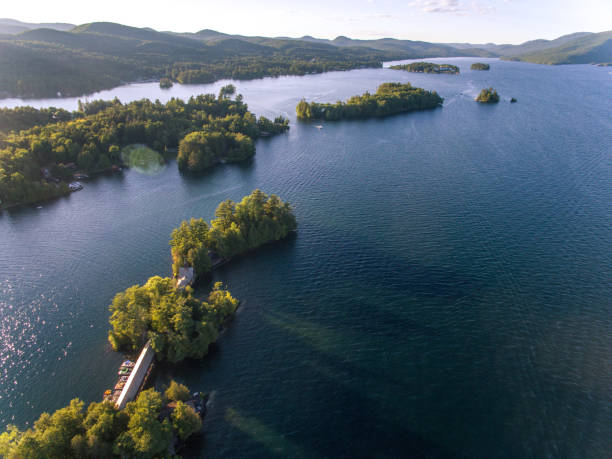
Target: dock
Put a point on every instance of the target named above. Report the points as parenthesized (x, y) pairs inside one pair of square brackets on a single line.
[(137, 376)]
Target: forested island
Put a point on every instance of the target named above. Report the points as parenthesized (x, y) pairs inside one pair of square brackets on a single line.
[(165, 83), (146, 428), (238, 227), (389, 99), (480, 66), (179, 325), (488, 96), (427, 67), (40, 150)]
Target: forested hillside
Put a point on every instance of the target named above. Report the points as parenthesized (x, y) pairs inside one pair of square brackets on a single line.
[(588, 49)]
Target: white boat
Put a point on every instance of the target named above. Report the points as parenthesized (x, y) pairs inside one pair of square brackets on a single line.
[(75, 186), (319, 126)]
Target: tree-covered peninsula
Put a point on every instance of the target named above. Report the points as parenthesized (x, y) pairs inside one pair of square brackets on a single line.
[(389, 99), (238, 227), (146, 428), (179, 325), (39, 156), (427, 67), (480, 66), (488, 96)]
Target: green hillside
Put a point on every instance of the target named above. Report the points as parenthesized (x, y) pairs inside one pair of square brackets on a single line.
[(46, 62), (592, 48), (71, 61)]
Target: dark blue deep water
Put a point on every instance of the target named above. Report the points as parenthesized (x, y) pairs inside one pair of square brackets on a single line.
[(448, 294)]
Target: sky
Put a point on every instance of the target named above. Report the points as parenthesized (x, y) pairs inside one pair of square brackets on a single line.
[(474, 21)]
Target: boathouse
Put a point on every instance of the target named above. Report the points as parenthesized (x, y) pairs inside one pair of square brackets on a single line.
[(134, 382), (186, 277)]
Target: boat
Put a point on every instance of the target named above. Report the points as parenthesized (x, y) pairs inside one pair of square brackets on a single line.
[(75, 186), (319, 126), (119, 385)]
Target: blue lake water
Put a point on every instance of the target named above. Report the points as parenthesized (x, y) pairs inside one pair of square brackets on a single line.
[(448, 294)]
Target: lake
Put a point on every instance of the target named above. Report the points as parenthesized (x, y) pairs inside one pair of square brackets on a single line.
[(448, 293)]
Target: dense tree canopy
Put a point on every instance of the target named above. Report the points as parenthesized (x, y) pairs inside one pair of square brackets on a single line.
[(178, 325), (20, 118), (201, 150), (488, 96), (254, 221), (480, 66), (34, 162), (427, 67), (91, 57), (247, 68), (102, 432), (165, 83), (189, 245), (389, 99), (177, 392), (185, 421)]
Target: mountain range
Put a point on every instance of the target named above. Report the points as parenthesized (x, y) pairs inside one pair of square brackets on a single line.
[(47, 59)]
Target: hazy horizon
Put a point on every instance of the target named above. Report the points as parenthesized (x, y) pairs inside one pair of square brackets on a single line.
[(442, 21)]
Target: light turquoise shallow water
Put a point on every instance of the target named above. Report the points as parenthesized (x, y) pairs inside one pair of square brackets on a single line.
[(447, 294)]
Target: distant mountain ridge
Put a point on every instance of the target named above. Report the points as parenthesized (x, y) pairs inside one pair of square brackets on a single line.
[(39, 60), (594, 48), (13, 26)]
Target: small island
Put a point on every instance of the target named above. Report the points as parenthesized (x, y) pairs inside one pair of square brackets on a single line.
[(389, 99), (427, 67), (480, 66), (256, 220), (488, 96), (165, 83)]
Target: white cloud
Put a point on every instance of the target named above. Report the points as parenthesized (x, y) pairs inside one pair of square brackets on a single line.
[(452, 6)]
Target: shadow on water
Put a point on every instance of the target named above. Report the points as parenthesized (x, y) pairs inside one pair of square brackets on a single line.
[(338, 397)]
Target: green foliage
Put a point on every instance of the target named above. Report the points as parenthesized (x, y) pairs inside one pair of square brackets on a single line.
[(178, 325), (101, 431), (201, 150), (427, 67), (278, 126), (177, 392), (227, 91), (480, 66), (389, 99), (488, 96), (248, 68), (21, 118), (185, 420), (189, 244), (254, 221), (146, 436), (92, 137), (165, 83), (43, 63)]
